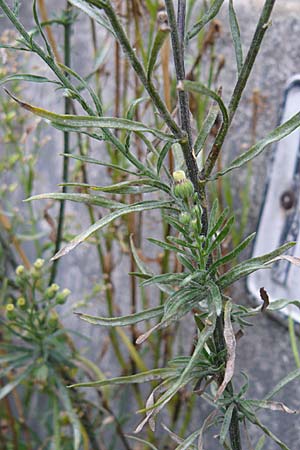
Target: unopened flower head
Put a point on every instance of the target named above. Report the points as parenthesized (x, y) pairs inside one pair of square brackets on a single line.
[(38, 264), (20, 270), (21, 302), (62, 296), (183, 188)]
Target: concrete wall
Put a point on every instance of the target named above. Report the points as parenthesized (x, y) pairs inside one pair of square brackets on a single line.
[(264, 353)]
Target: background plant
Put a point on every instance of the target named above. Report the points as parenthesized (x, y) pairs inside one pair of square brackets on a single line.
[(192, 234)]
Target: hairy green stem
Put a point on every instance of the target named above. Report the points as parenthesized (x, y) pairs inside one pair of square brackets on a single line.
[(260, 31)]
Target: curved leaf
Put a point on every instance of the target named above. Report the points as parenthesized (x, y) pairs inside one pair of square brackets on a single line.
[(207, 17), (122, 321), (136, 207), (276, 135), (83, 122), (143, 377), (195, 86), (236, 36), (88, 199)]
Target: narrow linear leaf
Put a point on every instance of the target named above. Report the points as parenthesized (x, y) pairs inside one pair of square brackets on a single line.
[(142, 441), (286, 380), (226, 423), (230, 341), (143, 377), (233, 254), (122, 321), (88, 199), (207, 17), (276, 135), (165, 150), (158, 42), (273, 406), (136, 207), (215, 296), (236, 36), (206, 128), (251, 265), (261, 443), (26, 77), (10, 386), (206, 424), (75, 422), (195, 86), (93, 13), (89, 160), (83, 122)]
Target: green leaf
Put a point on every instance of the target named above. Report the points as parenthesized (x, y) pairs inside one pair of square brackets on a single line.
[(271, 435), (162, 156), (206, 128), (88, 160), (276, 135), (75, 422), (226, 423), (158, 42), (207, 17), (165, 278), (93, 13), (137, 186), (165, 245), (267, 404), (215, 296), (277, 305), (26, 77), (250, 266), (261, 443), (143, 377), (195, 86), (221, 235), (185, 375), (122, 321), (10, 386), (233, 254), (142, 441), (236, 36), (286, 380), (88, 199), (136, 207), (83, 122)]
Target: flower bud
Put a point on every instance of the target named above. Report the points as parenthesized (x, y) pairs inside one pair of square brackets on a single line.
[(183, 188), (10, 311), (53, 320), (20, 270), (62, 296), (38, 264), (185, 218), (21, 302), (51, 291)]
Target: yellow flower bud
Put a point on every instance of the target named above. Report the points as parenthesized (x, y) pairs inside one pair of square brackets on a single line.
[(38, 264), (183, 188), (20, 270), (21, 302)]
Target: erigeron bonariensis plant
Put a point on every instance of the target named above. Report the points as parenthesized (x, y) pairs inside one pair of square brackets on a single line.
[(196, 229)]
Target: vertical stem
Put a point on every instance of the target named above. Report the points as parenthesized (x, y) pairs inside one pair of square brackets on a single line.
[(65, 175)]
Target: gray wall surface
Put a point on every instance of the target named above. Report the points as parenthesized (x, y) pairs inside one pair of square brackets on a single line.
[(264, 353)]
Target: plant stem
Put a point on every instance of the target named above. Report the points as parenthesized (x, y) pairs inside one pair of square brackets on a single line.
[(177, 35), (260, 31), (65, 175)]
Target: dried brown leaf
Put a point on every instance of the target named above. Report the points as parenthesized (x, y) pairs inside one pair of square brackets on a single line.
[(230, 341)]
